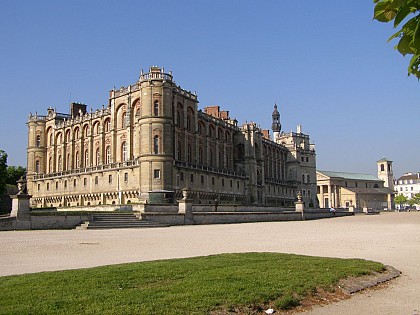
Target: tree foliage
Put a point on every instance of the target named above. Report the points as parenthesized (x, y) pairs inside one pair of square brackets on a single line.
[(400, 199), (3, 172), (409, 33), (14, 173)]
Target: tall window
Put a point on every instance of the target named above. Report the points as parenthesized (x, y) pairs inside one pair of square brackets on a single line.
[(37, 168), (200, 155), (50, 168), (38, 141), (156, 108), (107, 125), (124, 153), (77, 160), (124, 120), (189, 153), (98, 156), (156, 144), (108, 155), (178, 153), (51, 139), (76, 134), (60, 164), (86, 158)]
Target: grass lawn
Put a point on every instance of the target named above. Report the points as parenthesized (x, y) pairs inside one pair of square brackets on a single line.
[(178, 286)]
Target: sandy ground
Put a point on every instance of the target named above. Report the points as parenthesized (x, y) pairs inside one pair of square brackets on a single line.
[(391, 238)]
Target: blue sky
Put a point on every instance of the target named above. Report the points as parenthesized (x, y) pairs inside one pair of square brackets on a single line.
[(326, 64)]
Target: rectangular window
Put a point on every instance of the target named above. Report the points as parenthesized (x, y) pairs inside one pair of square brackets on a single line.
[(39, 187), (156, 174), (192, 178), (212, 180), (355, 184), (96, 180), (237, 184), (110, 179), (182, 176), (202, 179), (48, 186), (231, 183), (126, 177), (223, 182), (85, 182)]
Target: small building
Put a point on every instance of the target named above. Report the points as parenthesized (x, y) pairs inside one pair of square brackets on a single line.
[(408, 185), (342, 190)]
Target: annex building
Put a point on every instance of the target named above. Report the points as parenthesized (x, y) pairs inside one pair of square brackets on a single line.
[(342, 190), (151, 141)]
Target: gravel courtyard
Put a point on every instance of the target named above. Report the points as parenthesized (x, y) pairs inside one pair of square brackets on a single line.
[(390, 238)]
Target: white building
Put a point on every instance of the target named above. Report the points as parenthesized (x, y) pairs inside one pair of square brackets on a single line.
[(408, 185)]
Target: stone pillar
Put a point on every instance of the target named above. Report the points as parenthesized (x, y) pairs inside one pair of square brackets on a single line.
[(321, 199), (21, 206), (185, 207), (329, 197)]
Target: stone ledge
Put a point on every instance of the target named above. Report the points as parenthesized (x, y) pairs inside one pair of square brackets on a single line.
[(356, 284)]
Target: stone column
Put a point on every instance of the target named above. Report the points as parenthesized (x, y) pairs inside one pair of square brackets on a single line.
[(321, 199)]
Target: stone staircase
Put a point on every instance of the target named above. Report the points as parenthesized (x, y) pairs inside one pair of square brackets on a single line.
[(115, 220)]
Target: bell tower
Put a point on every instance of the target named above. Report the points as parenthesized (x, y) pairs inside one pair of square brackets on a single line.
[(276, 126), (385, 173)]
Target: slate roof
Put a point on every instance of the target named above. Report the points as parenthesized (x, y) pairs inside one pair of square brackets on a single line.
[(352, 176)]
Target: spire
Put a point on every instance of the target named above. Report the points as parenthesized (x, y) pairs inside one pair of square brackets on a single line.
[(276, 126)]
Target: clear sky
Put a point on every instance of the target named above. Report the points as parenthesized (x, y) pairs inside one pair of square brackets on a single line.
[(326, 64)]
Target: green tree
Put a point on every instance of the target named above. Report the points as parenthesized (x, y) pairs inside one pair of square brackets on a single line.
[(416, 199), (3, 172), (14, 173), (409, 33), (400, 199)]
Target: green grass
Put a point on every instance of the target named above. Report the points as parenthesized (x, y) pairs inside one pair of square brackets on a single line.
[(178, 286)]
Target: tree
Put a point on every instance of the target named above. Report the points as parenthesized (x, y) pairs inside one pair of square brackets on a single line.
[(416, 199), (409, 34), (3, 172), (400, 199), (14, 173)]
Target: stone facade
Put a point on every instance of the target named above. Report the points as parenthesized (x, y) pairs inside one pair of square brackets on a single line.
[(153, 138)]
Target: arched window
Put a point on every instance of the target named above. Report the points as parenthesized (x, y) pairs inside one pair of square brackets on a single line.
[(37, 166), (98, 156), (86, 158), (86, 131), (156, 108), (76, 134), (189, 123), (124, 153), (77, 160), (211, 157), (68, 135), (107, 125), (38, 141), (51, 139), (308, 177), (108, 155), (156, 144), (382, 167)]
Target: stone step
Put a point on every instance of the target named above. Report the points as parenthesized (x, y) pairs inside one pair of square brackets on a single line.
[(117, 221)]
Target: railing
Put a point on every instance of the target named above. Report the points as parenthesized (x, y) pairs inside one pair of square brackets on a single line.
[(209, 169), (156, 75), (110, 166)]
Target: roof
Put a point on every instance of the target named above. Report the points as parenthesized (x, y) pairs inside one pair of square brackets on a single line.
[(410, 176), (384, 160), (353, 176), (370, 191)]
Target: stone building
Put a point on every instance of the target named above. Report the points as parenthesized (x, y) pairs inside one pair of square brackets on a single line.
[(152, 140), (409, 186), (342, 190)]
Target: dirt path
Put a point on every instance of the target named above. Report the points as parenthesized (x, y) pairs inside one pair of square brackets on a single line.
[(391, 238)]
